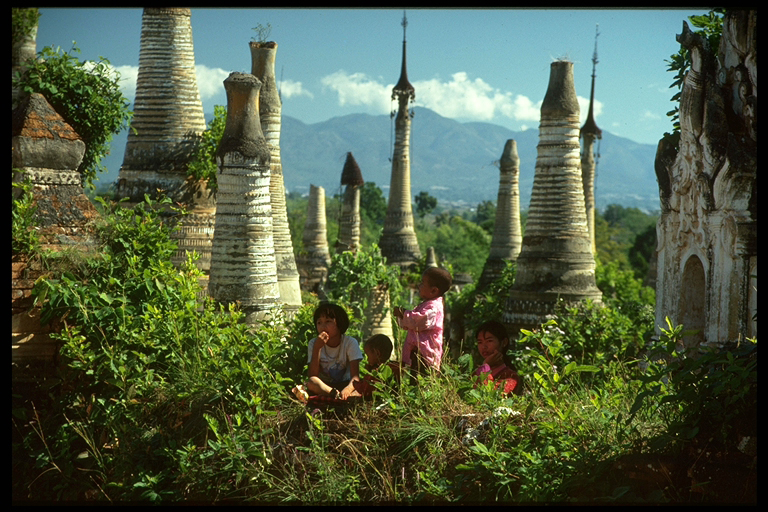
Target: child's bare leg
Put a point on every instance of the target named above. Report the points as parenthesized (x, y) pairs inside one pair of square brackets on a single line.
[(318, 387)]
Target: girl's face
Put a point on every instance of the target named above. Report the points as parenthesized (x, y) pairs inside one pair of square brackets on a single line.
[(426, 290), (487, 344), (327, 325)]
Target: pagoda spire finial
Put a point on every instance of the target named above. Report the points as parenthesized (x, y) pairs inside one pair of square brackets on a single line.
[(590, 126), (403, 86)]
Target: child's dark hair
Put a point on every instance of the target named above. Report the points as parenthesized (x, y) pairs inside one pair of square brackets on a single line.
[(331, 310), (382, 343), (439, 278), (500, 332)]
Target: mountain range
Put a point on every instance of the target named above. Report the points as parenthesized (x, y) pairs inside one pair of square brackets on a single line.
[(452, 161)]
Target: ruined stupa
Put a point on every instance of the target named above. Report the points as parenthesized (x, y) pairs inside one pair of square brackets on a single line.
[(243, 267), (349, 222), (398, 240), (507, 234), (707, 230), (270, 109), (590, 132), (316, 258), (166, 126), (555, 261), (46, 152)]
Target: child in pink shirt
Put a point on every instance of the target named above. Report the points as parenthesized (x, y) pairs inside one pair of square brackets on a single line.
[(424, 341)]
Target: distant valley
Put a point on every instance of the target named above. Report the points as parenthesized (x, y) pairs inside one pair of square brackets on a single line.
[(452, 161)]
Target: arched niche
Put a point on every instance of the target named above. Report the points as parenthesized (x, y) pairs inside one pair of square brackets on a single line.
[(692, 311)]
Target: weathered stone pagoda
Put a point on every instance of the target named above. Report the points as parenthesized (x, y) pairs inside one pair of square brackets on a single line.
[(590, 132), (166, 126), (263, 57), (349, 222), (707, 231), (316, 258), (398, 240), (243, 267), (47, 152), (507, 233), (556, 260)]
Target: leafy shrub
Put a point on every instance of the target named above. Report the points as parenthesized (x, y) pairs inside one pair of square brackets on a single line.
[(709, 390), (24, 238), (203, 165)]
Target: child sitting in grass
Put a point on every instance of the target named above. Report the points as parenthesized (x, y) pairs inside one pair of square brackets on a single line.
[(334, 358), (424, 342), (493, 343), (378, 350)]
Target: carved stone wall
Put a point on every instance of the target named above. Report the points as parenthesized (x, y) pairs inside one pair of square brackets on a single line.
[(707, 231)]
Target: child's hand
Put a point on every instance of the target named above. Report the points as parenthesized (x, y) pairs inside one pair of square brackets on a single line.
[(398, 312), (495, 359), (322, 340)]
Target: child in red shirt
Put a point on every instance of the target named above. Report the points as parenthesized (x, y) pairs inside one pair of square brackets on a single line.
[(493, 344)]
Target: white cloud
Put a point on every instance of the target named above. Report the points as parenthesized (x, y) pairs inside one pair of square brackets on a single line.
[(651, 115), (461, 97), (128, 76), (358, 89), (289, 88), (210, 81)]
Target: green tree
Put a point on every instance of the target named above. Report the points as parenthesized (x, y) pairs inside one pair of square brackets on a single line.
[(425, 203), (203, 164), (485, 216), (23, 20), (86, 94), (373, 206)]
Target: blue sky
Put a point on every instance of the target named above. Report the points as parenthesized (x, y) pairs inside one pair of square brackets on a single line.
[(466, 64)]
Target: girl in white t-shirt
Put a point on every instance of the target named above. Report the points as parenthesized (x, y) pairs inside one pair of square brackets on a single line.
[(334, 358)]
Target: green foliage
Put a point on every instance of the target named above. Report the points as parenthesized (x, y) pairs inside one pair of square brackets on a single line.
[(203, 165), (462, 243), (23, 20), (425, 203), (24, 238), (625, 236), (707, 391), (86, 94), (352, 277), (711, 28)]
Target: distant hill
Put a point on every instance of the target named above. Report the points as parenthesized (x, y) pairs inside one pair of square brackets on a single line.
[(452, 161)]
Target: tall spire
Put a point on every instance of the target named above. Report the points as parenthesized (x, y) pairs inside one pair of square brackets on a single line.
[(403, 86), (590, 132), (555, 262), (398, 240)]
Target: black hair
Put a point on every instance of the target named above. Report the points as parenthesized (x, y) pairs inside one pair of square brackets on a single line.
[(382, 343), (500, 332), (331, 310), (439, 278)]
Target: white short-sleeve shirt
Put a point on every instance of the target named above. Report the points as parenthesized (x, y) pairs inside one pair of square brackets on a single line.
[(334, 361)]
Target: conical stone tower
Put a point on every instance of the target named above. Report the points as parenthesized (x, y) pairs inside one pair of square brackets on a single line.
[(167, 123), (349, 222), (314, 264), (398, 240), (243, 265), (556, 260), (270, 109), (590, 132), (507, 234)]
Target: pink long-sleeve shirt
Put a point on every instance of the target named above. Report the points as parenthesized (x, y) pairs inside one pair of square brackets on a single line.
[(425, 331)]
